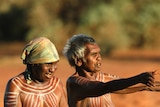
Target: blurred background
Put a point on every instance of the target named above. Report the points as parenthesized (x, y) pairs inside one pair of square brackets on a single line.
[(128, 32), (122, 24)]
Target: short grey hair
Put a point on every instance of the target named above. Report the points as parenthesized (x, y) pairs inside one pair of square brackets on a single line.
[(75, 47)]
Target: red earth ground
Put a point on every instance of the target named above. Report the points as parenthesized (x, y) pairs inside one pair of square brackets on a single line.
[(122, 64)]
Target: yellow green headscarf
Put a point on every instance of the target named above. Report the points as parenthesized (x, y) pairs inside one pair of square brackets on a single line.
[(39, 50)]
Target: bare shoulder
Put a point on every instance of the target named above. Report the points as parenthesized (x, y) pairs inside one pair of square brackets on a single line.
[(71, 80), (12, 84), (76, 79)]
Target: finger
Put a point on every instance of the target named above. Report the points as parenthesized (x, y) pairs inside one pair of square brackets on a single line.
[(154, 72), (151, 82)]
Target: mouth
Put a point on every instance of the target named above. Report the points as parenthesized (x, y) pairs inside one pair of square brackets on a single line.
[(49, 75), (99, 65)]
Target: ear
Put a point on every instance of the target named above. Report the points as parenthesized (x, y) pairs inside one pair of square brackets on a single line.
[(78, 62)]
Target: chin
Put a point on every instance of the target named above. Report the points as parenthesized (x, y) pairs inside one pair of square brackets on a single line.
[(96, 71)]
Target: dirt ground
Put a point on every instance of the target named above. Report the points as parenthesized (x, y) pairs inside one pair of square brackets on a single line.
[(12, 65)]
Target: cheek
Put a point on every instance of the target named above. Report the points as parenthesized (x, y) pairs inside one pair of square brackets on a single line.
[(42, 71), (89, 64)]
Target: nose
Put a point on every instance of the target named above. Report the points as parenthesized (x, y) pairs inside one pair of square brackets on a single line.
[(53, 67), (99, 57)]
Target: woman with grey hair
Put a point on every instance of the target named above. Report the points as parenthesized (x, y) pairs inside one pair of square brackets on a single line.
[(37, 86), (88, 86)]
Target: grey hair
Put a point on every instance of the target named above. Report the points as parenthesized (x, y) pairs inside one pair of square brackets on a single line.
[(75, 47)]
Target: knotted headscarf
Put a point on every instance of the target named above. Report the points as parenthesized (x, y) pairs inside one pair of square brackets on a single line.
[(39, 50)]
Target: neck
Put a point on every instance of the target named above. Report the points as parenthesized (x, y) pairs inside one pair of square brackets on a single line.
[(84, 73), (39, 83)]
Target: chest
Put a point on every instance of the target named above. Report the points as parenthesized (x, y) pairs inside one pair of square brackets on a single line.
[(101, 101), (39, 96)]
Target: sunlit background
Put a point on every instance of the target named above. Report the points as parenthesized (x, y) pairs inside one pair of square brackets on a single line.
[(122, 28), (121, 24)]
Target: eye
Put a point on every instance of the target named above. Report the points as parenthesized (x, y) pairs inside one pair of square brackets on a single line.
[(51, 65), (94, 54)]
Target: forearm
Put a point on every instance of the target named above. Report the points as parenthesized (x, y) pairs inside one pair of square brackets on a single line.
[(144, 78), (131, 90), (121, 84)]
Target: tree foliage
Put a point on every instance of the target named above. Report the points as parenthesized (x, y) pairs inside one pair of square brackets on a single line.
[(115, 24)]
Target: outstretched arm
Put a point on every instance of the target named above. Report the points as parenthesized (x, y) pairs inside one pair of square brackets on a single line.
[(82, 87), (140, 87), (132, 89)]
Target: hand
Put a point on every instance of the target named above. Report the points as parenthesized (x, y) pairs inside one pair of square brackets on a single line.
[(147, 78)]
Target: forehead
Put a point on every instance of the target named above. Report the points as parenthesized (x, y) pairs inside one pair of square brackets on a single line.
[(92, 48)]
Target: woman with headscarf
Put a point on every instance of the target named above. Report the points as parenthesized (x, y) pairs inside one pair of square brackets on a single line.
[(37, 86)]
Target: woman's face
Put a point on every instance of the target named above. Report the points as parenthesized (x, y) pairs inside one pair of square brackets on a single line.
[(92, 61), (44, 72)]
